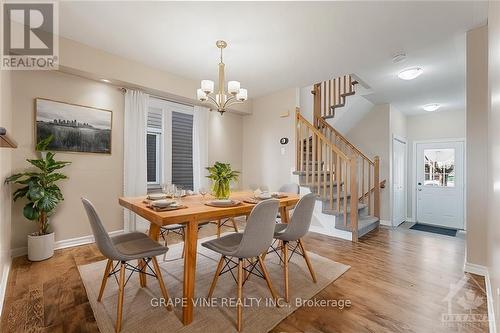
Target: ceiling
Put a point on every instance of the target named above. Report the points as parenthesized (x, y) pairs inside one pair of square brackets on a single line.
[(273, 46)]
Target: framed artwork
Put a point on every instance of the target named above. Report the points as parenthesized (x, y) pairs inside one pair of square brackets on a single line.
[(76, 128)]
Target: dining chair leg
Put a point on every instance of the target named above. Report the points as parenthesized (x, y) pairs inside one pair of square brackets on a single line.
[(109, 266), (235, 226), (267, 278), (161, 282), (285, 269), (142, 276), (308, 262), (216, 276), (239, 304), (121, 292), (218, 228)]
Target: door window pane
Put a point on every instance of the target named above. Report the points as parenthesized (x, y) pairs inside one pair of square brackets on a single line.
[(439, 168)]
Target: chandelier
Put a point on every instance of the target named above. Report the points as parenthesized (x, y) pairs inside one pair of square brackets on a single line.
[(221, 99)]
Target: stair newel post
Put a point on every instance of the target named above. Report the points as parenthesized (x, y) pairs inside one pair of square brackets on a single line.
[(317, 103), (354, 198), (376, 194)]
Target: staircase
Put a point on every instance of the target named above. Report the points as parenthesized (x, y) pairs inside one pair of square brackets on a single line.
[(344, 179)]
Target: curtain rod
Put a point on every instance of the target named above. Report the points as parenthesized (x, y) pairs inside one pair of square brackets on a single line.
[(124, 90)]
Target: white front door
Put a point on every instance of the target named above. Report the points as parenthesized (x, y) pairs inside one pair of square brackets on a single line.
[(398, 181), (440, 184)]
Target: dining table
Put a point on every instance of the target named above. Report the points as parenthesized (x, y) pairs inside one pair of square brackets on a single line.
[(195, 210)]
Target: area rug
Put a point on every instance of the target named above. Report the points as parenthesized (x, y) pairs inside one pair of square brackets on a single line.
[(141, 313), (434, 229)]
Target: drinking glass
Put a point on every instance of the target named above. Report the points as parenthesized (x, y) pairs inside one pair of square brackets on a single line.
[(178, 191), (203, 192)]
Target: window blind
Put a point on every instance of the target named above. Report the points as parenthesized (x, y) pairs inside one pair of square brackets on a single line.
[(182, 150)]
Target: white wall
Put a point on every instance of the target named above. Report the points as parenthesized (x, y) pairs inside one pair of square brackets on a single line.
[(477, 145), (263, 162), (5, 190), (225, 140), (306, 102), (493, 235), (372, 135), (431, 126)]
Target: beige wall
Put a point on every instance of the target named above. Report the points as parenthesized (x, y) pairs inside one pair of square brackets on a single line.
[(372, 135), (263, 163), (225, 140), (98, 177), (493, 235), (95, 176), (431, 126), (477, 144), (5, 191)]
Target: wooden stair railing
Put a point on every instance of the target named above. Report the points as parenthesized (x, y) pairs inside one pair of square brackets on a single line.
[(330, 172), (369, 170), (331, 94)]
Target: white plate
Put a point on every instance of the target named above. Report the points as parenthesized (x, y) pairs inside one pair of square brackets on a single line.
[(156, 196), (163, 203), (222, 201), (264, 196)]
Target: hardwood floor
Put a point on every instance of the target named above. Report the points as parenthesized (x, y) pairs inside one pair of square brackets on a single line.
[(398, 283)]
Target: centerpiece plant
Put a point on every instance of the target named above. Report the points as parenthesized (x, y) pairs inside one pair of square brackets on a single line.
[(222, 175), (39, 188)]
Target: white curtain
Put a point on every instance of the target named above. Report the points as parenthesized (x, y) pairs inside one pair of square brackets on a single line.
[(200, 147), (135, 163)]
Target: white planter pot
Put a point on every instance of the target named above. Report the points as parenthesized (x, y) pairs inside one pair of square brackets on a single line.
[(40, 247)]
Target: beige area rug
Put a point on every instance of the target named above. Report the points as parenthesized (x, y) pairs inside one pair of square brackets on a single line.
[(218, 315)]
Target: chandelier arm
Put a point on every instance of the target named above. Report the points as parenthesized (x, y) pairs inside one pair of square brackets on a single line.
[(213, 100), (227, 101)]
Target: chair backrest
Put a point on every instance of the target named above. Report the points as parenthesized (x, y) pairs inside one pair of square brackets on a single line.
[(102, 238), (301, 218), (290, 188), (259, 230)]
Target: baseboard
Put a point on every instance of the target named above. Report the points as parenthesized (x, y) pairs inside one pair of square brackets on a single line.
[(387, 223), (489, 300), (476, 269), (65, 243), (410, 219), (483, 271), (3, 282)]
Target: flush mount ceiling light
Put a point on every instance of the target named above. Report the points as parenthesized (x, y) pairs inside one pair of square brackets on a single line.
[(410, 73), (105, 80), (221, 99), (431, 107)]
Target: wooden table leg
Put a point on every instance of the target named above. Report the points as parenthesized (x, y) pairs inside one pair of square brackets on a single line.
[(189, 270), (154, 231), (284, 214)]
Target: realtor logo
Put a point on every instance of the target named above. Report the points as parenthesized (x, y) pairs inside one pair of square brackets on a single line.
[(30, 40)]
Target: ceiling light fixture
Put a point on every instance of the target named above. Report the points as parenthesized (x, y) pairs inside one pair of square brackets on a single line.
[(105, 80), (410, 73), (220, 99), (431, 107)]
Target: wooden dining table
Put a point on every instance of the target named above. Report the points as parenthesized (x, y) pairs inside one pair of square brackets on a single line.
[(195, 212)]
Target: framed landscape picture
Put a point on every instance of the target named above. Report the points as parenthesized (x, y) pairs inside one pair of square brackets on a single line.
[(76, 128)]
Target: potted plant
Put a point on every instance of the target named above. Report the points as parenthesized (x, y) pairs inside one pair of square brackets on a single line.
[(43, 195), (221, 175)]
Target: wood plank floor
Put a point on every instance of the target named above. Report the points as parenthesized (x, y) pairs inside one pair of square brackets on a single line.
[(398, 283)]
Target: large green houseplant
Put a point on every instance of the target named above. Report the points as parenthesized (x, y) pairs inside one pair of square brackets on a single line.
[(40, 189), (221, 175)]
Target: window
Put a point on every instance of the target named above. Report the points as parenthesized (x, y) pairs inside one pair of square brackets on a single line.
[(153, 146), (169, 144), (439, 168)]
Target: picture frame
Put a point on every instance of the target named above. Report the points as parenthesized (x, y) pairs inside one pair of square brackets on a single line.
[(75, 128)]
